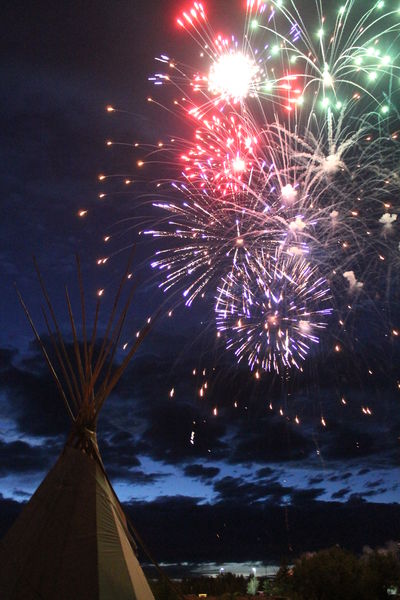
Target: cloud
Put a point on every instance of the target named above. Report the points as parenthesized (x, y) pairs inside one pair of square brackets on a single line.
[(139, 422), (264, 472), (235, 490), (33, 402), (299, 497), (20, 457), (21, 494), (6, 358), (346, 443), (201, 472), (341, 493), (120, 453), (134, 476), (168, 431), (315, 480), (374, 484), (181, 529), (363, 471), (269, 440)]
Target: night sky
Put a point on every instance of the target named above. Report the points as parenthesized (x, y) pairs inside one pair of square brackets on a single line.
[(253, 485)]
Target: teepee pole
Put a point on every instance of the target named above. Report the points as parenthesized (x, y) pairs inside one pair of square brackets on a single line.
[(60, 361), (83, 312), (115, 306), (57, 329), (121, 368), (114, 341), (92, 382), (76, 346), (47, 358)]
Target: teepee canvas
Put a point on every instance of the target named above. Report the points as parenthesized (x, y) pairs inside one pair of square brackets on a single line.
[(72, 540)]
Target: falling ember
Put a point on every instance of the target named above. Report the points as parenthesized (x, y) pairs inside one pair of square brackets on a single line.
[(215, 412), (172, 392)]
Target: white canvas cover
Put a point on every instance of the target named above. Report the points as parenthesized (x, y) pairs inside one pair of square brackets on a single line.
[(71, 540)]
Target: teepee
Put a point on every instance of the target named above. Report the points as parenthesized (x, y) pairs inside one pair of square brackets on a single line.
[(72, 540)]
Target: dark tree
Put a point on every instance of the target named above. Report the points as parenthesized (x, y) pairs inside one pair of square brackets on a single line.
[(326, 575), (379, 572), (336, 573)]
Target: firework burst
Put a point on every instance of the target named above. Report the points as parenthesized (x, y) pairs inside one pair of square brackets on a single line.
[(284, 206), (272, 310)]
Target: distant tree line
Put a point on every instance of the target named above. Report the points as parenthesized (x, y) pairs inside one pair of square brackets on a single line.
[(336, 573), (326, 575)]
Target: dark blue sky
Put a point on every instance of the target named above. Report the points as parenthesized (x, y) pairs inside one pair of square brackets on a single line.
[(61, 64)]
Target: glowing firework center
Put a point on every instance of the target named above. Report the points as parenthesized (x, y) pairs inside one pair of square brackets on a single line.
[(232, 76)]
